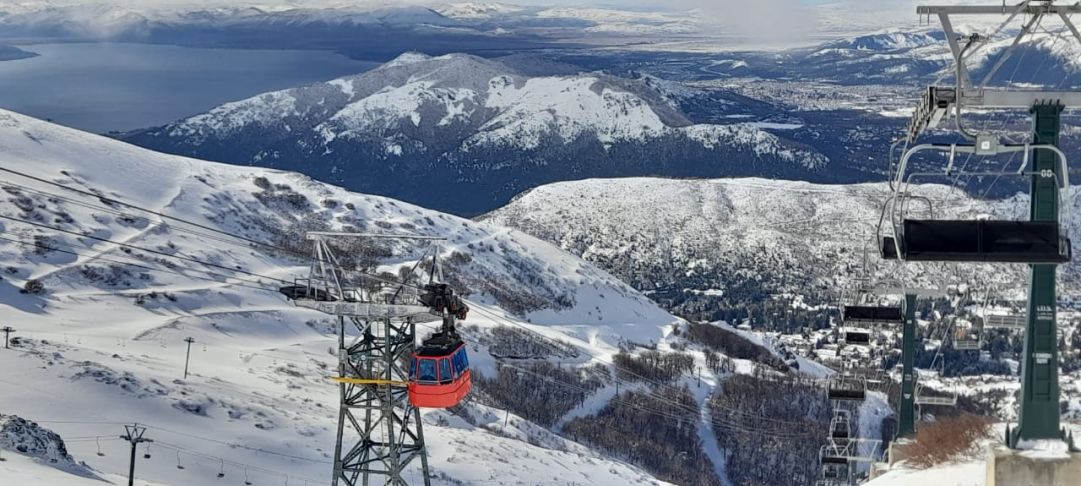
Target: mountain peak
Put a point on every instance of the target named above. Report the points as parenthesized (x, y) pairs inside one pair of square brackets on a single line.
[(409, 57)]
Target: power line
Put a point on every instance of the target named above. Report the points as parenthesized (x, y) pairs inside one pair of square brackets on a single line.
[(643, 378)]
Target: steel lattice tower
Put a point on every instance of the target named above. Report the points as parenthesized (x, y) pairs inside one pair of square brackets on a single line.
[(379, 432)]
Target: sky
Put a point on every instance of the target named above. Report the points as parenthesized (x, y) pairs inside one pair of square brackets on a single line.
[(766, 22)]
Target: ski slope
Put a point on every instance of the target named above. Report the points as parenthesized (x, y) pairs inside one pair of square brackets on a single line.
[(103, 344)]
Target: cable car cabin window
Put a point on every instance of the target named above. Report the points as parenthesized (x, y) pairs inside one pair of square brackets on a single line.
[(458, 360), (445, 374), (413, 369), (427, 370)]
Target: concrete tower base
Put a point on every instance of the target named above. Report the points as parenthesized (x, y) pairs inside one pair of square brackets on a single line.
[(1008, 467)]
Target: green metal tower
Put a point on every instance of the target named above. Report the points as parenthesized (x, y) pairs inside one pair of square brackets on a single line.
[(1038, 417), (906, 424), (1039, 414)]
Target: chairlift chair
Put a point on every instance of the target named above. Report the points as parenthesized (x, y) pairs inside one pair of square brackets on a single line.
[(840, 426), (855, 336), (996, 241), (833, 454), (846, 387), (924, 398), (872, 314), (997, 321), (834, 474), (857, 318), (967, 338)]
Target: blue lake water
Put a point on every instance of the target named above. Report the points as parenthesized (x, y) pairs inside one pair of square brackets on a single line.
[(119, 86)]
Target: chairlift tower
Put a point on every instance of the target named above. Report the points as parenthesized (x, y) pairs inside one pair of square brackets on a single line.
[(1039, 410), (905, 315), (379, 432)]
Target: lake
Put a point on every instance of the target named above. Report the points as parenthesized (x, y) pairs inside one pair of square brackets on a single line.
[(100, 87)]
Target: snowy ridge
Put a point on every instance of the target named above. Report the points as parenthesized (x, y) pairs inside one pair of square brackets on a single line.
[(706, 236)]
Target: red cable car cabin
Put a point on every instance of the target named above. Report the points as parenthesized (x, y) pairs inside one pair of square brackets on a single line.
[(439, 375)]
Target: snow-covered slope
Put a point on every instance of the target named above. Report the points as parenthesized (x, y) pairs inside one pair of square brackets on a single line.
[(738, 240), (967, 470), (101, 344), (457, 121)]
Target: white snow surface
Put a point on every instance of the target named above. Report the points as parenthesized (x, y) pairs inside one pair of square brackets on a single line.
[(258, 397)]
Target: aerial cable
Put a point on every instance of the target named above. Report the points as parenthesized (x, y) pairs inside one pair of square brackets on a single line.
[(91, 258), (671, 414), (609, 362), (134, 247), (150, 223), (109, 200), (365, 275)]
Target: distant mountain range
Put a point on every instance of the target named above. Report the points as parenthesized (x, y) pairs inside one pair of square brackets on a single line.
[(360, 31), (465, 134)]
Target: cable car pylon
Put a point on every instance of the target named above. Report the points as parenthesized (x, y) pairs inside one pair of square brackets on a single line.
[(379, 432)]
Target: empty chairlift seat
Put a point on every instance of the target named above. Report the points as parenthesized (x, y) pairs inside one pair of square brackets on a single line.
[(843, 387), (832, 454), (856, 336), (995, 321), (979, 241), (840, 425), (872, 314)]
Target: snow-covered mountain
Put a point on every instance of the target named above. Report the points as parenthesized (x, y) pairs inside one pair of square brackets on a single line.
[(99, 334), (470, 133), (1046, 58), (703, 246)]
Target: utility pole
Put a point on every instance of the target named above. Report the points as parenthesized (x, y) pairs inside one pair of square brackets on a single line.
[(7, 333), (134, 435), (906, 423), (187, 357)]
